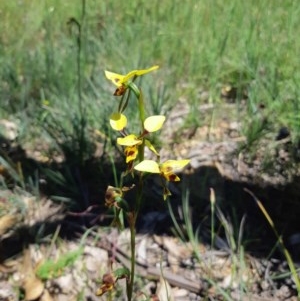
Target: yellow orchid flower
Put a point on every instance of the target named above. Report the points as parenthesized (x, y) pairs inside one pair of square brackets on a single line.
[(170, 166), (120, 80), (118, 121), (131, 150), (132, 142), (166, 169)]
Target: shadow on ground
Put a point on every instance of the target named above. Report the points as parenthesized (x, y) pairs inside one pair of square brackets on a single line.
[(82, 187)]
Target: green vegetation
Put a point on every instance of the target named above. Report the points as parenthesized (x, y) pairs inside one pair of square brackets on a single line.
[(203, 44), (51, 269)]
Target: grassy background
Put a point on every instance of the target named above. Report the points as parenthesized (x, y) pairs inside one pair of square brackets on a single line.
[(199, 45), (202, 43)]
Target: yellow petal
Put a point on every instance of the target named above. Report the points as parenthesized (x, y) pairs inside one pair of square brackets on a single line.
[(173, 165), (144, 71), (117, 79), (148, 166), (118, 121), (151, 147), (129, 140), (138, 72), (154, 123)]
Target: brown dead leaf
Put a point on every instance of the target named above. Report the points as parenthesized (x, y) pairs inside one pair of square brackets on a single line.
[(32, 285), (164, 291), (9, 266), (46, 296), (33, 288)]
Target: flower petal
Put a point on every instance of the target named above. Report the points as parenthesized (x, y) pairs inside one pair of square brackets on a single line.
[(117, 79), (118, 121), (148, 166), (154, 123), (144, 71), (129, 140), (151, 147), (139, 72)]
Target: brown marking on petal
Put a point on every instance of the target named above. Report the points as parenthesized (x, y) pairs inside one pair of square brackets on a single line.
[(171, 177), (130, 153), (120, 90)]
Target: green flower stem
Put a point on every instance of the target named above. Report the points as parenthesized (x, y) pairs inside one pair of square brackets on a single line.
[(132, 223), (132, 248), (133, 87), (141, 150), (140, 99), (141, 109), (133, 216)]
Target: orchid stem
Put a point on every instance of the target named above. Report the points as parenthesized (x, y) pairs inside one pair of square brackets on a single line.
[(133, 216), (132, 248)]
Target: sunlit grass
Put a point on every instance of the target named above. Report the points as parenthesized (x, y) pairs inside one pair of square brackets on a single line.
[(202, 43)]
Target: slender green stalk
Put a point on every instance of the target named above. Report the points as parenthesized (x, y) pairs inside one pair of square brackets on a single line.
[(141, 109), (132, 225), (132, 248), (140, 99), (133, 215)]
